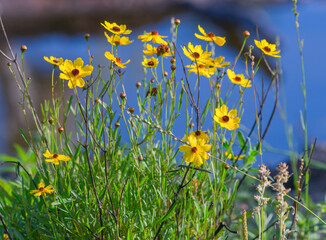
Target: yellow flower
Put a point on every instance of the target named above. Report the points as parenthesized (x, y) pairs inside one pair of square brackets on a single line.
[(227, 120), (217, 62), (42, 190), (267, 48), (116, 60), (196, 53), (201, 135), (154, 36), (204, 70), (210, 37), (160, 50), (238, 79), (235, 157), (116, 40), (74, 72), (197, 151), (115, 28), (54, 61), (55, 158), (5, 236), (151, 63)]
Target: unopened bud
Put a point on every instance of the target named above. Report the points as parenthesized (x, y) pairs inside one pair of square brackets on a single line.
[(172, 61), (117, 124), (138, 84), (131, 110), (87, 36), (123, 95), (60, 129), (165, 73), (23, 48), (173, 67), (50, 120), (140, 158), (152, 80), (96, 100), (246, 34), (177, 21), (246, 54), (8, 64), (227, 166)]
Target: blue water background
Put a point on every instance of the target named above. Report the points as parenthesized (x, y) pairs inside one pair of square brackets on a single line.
[(276, 20)]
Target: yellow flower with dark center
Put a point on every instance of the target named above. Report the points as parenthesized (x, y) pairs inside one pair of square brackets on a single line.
[(5, 236), (153, 36), (217, 62), (204, 70), (151, 63), (115, 28), (267, 48), (201, 135), (228, 120), (55, 158), (116, 40), (210, 37), (197, 151), (196, 53), (74, 72), (42, 190), (54, 61), (235, 157), (160, 50), (238, 79), (115, 60)]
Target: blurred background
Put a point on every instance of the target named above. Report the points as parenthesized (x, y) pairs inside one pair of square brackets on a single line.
[(56, 28)]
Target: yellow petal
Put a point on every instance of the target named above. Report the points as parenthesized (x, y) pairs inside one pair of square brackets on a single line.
[(201, 30)]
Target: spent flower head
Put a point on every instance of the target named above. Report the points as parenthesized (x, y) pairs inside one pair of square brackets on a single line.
[(160, 50), (228, 120), (74, 72), (209, 37), (267, 48), (42, 190)]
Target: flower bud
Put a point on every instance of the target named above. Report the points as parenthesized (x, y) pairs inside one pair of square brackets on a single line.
[(131, 110), (165, 73), (246, 54), (177, 21), (172, 60), (60, 129), (50, 120), (117, 124), (87, 36), (140, 158), (227, 166), (96, 100), (8, 64), (246, 34), (152, 80), (138, 84), (123, 95), (23, 48), (173, 68), (191, 125)]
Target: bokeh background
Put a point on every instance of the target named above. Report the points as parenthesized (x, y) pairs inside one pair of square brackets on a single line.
[(56, 28)]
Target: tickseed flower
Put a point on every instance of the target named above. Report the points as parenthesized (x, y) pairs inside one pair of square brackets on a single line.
[(217, 62), (238, 79), (196, 53), (227, 120), (160, 50), (197, 151), (115, 60), (200, 135), (54, 61), (210, 37), (267, 48), (115, 28), (5, 236), (42, 190), (153, 36), (204, 70), (55, 158), (236, 157), (74, 72), (116, 40), (151, 63)]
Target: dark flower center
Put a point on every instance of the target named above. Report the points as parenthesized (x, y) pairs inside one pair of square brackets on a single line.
[(55, 61), (197, 133), (201, 66), (75, 72), (55, 155), (196, 55), (194, 149), (116, 29), (154, 32), (117, 42), (150, 63), (41, 189), (238, 79), (225, 118), (267, 49), (210, 34), (118, 60)]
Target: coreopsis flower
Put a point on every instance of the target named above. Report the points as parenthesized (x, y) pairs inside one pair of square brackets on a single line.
[(160, 50), (153, 36), (236, 157), (115, 28), (197, 151), (151, 63), (267, 48), (204, 70), (228, 120), (210, 37), (54, 61), (217, 62), (115, 60), (196, 53), (55, 158), (42, 190), (74, 72), (116, 40), (201, 135), (5, 236), (238, 79)]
